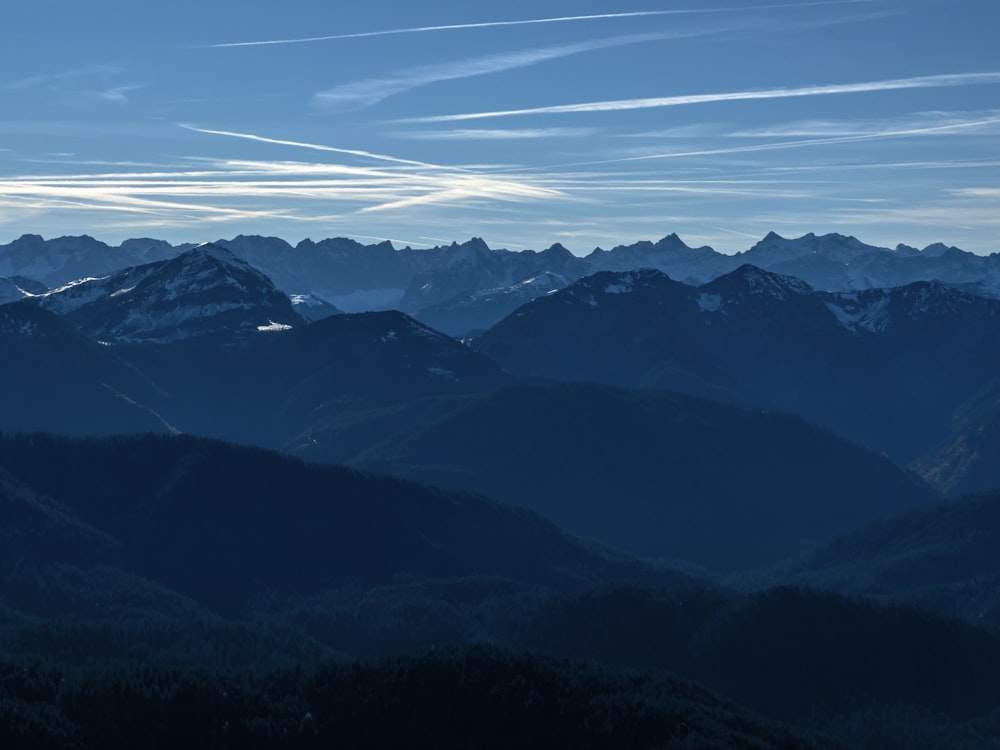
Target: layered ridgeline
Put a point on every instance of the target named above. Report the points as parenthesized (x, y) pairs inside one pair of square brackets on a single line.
[(173, 551), (175, 587), (944, 557), (205, 344), (657, 474), (461, 287), (895, 370)]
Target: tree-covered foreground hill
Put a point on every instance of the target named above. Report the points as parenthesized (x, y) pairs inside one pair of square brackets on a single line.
[(160, 590)]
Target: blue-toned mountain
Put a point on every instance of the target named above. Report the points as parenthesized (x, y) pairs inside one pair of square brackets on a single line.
[(205, 291), (886, 368)]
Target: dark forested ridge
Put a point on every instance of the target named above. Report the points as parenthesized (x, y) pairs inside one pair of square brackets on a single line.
[(475, 698), (178, 587), (945, 556), (222, 524)]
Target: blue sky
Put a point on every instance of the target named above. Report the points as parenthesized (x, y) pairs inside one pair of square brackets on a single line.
[(525, 123)]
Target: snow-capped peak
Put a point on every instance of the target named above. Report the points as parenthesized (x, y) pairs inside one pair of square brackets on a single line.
[(205, 290)]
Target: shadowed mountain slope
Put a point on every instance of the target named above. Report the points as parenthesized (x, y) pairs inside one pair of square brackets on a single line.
[(653, 473)]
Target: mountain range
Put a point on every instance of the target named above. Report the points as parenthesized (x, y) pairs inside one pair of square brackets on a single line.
[(459, 287), (889, 369), (631, 468), (204, 344)]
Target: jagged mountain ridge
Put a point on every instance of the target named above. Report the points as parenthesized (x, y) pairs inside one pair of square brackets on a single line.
[(362, 277)]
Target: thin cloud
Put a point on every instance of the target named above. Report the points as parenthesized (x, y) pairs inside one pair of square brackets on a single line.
[(118, 94), (621, 105), (779, 146), (988, 192), (312, 146), (229, 190), (373, 90), (524, 22), (73, 74), (831, 128), (496, 134)]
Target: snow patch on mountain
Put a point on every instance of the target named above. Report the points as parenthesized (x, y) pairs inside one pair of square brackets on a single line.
[(861, 311), (206, 290), (74, 295), (272, 327)]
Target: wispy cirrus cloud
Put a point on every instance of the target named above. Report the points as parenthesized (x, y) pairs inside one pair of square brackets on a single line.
[(93, 82), (118, 95), (65, 76), (208, 190), (525, 22), (495, 134), (370, 91), (311, 146), (622, 105), (973, 122), (976, 192), (802, 143)]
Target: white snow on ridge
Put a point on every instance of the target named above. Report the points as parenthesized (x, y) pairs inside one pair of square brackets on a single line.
[(272, 327), (854, 314), (74, 295)]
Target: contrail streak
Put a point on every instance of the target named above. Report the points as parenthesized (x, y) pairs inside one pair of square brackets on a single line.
[(320, 147), (621, 105), (523, 22), (788, 144)]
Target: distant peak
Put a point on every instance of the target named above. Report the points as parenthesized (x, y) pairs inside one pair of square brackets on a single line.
[(757, 281), (938, 249), (772, 236), (672, 240), (475, 243), (211, 250), (556, 253)]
